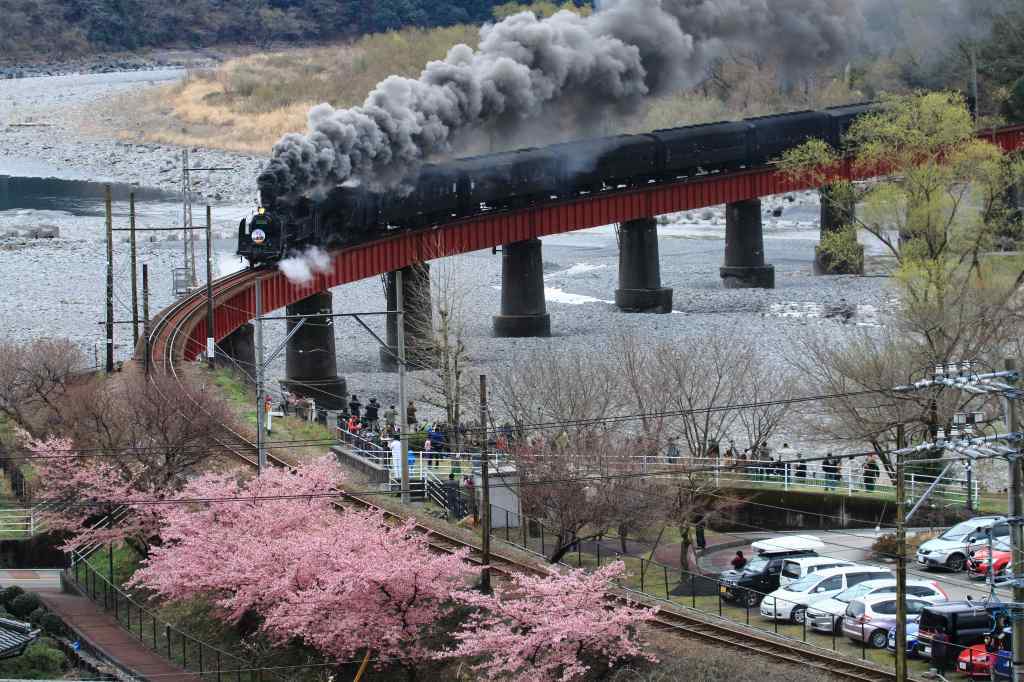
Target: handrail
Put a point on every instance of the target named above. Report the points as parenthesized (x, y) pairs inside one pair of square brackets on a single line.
[(190, 653)]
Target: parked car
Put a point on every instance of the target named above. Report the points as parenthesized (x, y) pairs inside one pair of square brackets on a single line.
[(869, 619), (827, 615), (791, 602), (981, 560), (950, 550), (963, 623), (911, 642), (978, 660), (800, 567), (764, 571)]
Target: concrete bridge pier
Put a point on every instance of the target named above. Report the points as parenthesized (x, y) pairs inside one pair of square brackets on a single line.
[(744, 248), (238, 352), (419, 316), (523, 310), (640, 289), (837, 212), (311, 364)]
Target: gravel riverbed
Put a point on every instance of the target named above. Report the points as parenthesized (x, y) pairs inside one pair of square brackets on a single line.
[(55, 287)]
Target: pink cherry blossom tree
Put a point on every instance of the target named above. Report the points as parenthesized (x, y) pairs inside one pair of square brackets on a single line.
[(276, 546), (83, 492), (551, 628)]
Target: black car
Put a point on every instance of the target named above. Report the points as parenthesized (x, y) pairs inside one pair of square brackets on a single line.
[(961, 624), (758, 578)]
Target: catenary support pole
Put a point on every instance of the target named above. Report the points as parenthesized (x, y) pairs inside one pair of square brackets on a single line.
[(485, 478), (1016, 507), (135, 270), (901, 559), (110, 279), (210, 336), (400, 308), (261, 451), (145, 312)]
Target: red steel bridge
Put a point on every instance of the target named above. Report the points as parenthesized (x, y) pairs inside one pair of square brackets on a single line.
[(181, 330)]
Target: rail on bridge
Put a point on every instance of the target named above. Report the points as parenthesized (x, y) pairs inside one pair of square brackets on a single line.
[(235, 295)]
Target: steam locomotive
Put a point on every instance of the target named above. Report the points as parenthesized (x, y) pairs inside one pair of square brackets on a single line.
[(512, 180)]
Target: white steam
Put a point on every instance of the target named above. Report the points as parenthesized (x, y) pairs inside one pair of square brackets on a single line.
[(300, 268)]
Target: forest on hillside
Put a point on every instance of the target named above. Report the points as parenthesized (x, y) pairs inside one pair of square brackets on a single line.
[(38, 30)]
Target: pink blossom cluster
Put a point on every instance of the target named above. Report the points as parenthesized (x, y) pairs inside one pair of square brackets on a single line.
[(548, 628), (82, 491)]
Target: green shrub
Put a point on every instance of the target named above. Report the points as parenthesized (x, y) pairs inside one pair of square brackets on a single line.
[(50, 623), (841, 251), (24, 604), (42, 660), (9, 594)]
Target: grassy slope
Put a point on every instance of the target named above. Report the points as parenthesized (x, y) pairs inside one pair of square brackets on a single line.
[(248, 103)]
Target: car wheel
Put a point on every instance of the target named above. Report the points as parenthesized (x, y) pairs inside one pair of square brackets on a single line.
[(799, 615), (956, 562), (752, 599), (879, 639)]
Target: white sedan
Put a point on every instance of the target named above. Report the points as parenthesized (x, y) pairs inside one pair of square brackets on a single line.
[(791, 602)]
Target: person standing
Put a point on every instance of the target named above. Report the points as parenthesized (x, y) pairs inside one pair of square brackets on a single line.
[(801, 469), (672, 453), (354, 406), (739, 562), (699, 526), (410, 414), (390, 417), (372, 413), (870, 473)]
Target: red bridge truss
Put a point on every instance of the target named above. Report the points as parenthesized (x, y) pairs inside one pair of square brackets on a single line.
[(181, 329)]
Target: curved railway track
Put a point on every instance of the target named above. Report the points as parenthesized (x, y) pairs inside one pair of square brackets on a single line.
[(166, 350)]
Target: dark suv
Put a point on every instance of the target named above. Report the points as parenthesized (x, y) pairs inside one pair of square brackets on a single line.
[(758, 578), (963, 623)]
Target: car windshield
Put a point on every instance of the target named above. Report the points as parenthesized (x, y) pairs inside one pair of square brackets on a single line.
[(756, 565), (960, 531), (804, 584), (854, 592)]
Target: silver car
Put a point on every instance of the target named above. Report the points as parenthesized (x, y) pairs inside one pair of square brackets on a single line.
[(827, 616)]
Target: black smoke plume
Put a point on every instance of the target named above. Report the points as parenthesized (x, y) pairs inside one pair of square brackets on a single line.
[(525, 68)]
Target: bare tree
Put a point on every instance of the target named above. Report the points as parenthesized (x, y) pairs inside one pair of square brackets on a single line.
[(157, 432), (763, 385), (34, 378)]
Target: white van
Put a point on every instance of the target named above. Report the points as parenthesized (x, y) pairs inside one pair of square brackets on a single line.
[(791, 602), (800, 567)]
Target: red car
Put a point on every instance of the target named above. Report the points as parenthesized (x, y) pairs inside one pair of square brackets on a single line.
[(976, 662), (978, 562)]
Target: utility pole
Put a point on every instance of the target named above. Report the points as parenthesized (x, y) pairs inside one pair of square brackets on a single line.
[(485, 466), (135, 272), (404, 415), (261, 452), (145, 311), (901, 559), (210, 336), (1016, 508), (186, 218), (110, 279)]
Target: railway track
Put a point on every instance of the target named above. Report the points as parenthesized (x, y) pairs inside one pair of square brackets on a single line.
[(166, 349)]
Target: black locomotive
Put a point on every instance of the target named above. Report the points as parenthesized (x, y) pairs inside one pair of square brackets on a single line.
[(511, 180)]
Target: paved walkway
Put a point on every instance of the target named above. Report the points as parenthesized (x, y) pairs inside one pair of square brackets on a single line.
[(104, 634)]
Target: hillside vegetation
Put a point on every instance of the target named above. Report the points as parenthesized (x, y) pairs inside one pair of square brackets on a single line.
[(40, 30), (248, 103)]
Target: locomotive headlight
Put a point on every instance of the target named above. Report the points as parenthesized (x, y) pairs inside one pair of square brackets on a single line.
[(262, 210)]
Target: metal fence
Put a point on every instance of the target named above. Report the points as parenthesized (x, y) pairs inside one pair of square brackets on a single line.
[(193, 655)]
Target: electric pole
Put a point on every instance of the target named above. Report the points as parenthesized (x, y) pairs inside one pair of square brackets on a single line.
[(404, 416), (901, 558), (485, 466), (110, 279), (1016, 533), (145, 312), (261, 452), (210, 336), (135, 272)]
